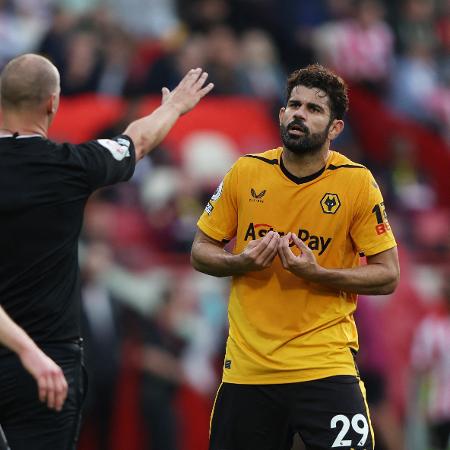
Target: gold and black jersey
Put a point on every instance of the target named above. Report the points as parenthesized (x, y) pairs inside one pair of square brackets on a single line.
[(284, 329)]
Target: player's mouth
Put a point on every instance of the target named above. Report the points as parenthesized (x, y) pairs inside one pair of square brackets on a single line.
[(296, 129)]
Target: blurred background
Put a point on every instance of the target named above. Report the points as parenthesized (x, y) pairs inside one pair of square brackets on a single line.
[(155, 330)]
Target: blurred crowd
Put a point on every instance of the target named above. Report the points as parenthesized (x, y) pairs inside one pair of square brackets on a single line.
[(143, 307), (399, 50)]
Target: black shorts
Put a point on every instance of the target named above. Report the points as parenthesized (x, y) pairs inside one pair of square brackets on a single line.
[(330, 413), (27, 422)]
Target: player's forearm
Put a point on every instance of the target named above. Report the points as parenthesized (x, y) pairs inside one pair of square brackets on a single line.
[(12, 336), (371, 279), (150, 130), (214, 260)]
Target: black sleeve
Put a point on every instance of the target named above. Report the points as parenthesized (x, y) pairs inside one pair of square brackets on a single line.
[(107, 161)]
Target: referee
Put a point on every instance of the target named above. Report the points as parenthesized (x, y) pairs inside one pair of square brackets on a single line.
[(44, 188)]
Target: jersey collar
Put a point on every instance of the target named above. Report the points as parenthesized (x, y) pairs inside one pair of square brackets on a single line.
[(299, 180)]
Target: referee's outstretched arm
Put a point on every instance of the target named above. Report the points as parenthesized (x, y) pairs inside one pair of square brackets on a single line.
[(28, 109), (52, 385), (149, 131)]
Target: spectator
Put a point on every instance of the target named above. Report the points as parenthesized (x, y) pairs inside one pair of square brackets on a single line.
[(416, 24), (118, 51), (201, 15), (167, 70), (159, 360), (262, 67), (146, 18), (344, 46), (54, 41), (431, 362), (82, 65), (222, 62), (372, 364), (101, 332), (416, 89), (19, 28)]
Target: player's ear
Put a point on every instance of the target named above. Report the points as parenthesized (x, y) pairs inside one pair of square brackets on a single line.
[(51, 105), (336, 129), (281, 114)]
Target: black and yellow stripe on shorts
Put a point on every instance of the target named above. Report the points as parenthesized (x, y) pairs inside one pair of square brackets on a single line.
[(213, 408), (363, 392)]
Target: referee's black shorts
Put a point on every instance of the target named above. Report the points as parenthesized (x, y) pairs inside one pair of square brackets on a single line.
[(330, 413), (28, 423)]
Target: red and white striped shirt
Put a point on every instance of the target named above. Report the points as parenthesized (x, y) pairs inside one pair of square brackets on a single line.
[(431, 353)]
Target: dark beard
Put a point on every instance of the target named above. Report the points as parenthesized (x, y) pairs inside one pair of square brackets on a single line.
[(307, 143)]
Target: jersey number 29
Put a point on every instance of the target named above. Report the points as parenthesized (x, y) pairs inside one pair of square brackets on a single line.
[(358, 423)]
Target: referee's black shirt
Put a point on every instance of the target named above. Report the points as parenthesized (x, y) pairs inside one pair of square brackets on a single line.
[(44, 187)]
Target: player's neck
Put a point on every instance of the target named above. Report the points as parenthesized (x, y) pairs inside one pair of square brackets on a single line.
[(305, 164), (23, 124)]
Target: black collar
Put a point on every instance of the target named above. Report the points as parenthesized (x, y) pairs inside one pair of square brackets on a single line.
[(300, 180)]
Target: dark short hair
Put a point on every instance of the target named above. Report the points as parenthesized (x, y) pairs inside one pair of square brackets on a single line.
[(317, 76)]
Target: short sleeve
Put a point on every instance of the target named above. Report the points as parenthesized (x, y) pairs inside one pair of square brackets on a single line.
[(370, 229), (220, 217), (107, 161)]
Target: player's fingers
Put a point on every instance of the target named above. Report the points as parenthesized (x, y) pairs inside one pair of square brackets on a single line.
[(287, 237), (281, 244), (269, 252), (42, 388), (184, 80), (261, 244), (284, 251), (165, 94), (300, 244), (251, 245), (206, 89), (268, 259), (60, 390), (201, 81), (191, 77), (283, 241), (267, 256), (50, 392)]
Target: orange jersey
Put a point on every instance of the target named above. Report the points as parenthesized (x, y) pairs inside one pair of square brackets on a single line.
[(284, 329)]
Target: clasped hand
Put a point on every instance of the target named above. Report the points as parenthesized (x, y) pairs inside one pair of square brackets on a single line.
[(259, 254)]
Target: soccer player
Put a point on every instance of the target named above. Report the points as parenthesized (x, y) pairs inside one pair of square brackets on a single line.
[(301, 215), (44, 188)]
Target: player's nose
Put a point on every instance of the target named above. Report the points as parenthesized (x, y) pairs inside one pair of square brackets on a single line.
[(300, 113)]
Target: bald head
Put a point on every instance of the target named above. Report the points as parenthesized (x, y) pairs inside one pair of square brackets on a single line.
[(27, 82)]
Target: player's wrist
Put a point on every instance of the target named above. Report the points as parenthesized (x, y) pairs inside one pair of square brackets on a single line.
[(25, 349), (238, 264), (175, 106), (315, 273)]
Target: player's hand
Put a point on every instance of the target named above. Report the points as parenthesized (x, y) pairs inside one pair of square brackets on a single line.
[(52, 384), (259, 254), (303, 265), (189, 91)]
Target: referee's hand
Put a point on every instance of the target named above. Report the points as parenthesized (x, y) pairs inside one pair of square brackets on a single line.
[(189, 91), (52, 384)]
